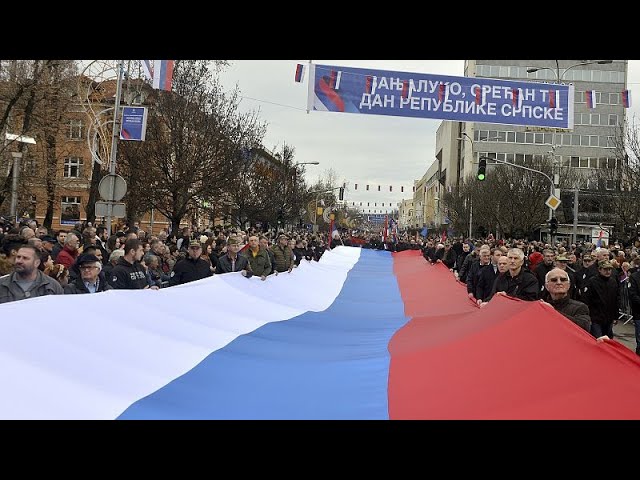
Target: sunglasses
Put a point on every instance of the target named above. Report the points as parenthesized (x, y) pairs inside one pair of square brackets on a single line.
[(558, 279)]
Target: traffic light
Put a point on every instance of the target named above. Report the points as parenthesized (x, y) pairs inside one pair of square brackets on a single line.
[(553, 225), (341, 194), (482, 169)]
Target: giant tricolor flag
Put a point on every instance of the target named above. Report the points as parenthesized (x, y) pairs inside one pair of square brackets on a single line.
[(626, 98), (384, 336)]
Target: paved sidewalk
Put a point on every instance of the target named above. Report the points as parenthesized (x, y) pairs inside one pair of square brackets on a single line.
[(625, 334)]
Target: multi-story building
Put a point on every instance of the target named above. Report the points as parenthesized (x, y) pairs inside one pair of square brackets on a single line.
[(587, 147)]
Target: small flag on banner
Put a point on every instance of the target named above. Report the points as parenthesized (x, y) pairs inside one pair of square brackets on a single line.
[(481, 96), (626, 98), (355, 186), (554, 98), (516, 97), (299, 73), (370, 84), (334, 80), (405, 88), (443, 93), (590, 98)]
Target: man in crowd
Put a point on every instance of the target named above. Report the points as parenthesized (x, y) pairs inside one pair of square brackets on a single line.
[(69, 253), (518, 282), (232, 261), (91, 279), (258, 258), (283, 255), (128, 273), (191, 268), (558, 284), (27, 281), (61, 237), (601, 294)]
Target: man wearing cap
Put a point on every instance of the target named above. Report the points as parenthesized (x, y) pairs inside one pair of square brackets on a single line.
[(190, 268), (562, 262), (557, 284), (283, 255), (258, 258), (601, 294), (232, 261), (91, 278), (27, 281), (48, 242)]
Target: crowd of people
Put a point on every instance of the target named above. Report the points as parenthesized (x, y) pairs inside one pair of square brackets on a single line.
[(592, 286), (85, 260)]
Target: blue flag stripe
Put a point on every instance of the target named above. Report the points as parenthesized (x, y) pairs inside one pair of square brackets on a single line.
[(320, 365)]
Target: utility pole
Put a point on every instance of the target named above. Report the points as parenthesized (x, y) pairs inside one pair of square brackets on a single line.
[(114, 144), (575, 216)]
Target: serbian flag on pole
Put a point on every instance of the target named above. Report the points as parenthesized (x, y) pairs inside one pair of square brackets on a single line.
[(443, 92), (590, 98), (163, 74), (371, 343), (626, 98), (299, 73), (554, 98), (600, 235), (334, 79)]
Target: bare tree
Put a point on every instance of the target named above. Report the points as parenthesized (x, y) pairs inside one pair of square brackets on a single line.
[(194, 136)]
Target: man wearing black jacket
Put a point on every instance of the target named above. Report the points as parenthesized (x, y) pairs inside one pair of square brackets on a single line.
[(90, 279), (128, 274), (191, 268), (518, 282)]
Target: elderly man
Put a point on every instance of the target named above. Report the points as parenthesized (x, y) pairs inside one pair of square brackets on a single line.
[(517, 282), (557, 283), (91, 279), (27, 281), (69, 253)]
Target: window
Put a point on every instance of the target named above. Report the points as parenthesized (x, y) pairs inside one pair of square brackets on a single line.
[(538, 138), (593, 140), (575, 140), (575, 162), (595, 119), (611, 143), (602, 162), (70, 210), (72, 167), (614, 98), (584, 162), (548, 138), (511, 137), (612, 162), (528, 137), (613, 119), (519, 137), (593, 162), (75, 129), (609, 185)]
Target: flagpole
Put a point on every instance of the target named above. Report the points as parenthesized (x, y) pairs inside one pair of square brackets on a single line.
[(308, 80)]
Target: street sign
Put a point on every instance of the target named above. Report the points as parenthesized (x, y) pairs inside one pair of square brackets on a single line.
[(102, 209), (112, 183), (553, 202)]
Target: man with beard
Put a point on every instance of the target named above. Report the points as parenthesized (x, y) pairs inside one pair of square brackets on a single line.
[(27, 281)]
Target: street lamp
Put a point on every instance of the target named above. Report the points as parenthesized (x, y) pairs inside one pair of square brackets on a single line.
[(17, 156)]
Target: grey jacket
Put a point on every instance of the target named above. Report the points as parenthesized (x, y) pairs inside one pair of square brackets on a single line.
[(10, 291)]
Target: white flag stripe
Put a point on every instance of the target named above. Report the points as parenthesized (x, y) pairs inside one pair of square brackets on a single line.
[(61, 365)]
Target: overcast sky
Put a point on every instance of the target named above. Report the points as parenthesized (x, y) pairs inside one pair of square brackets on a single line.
[(362, 149)]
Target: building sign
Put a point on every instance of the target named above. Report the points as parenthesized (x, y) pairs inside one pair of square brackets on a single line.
[(443, 97)]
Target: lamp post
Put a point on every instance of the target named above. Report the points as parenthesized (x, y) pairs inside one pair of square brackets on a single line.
[(17, 156)]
